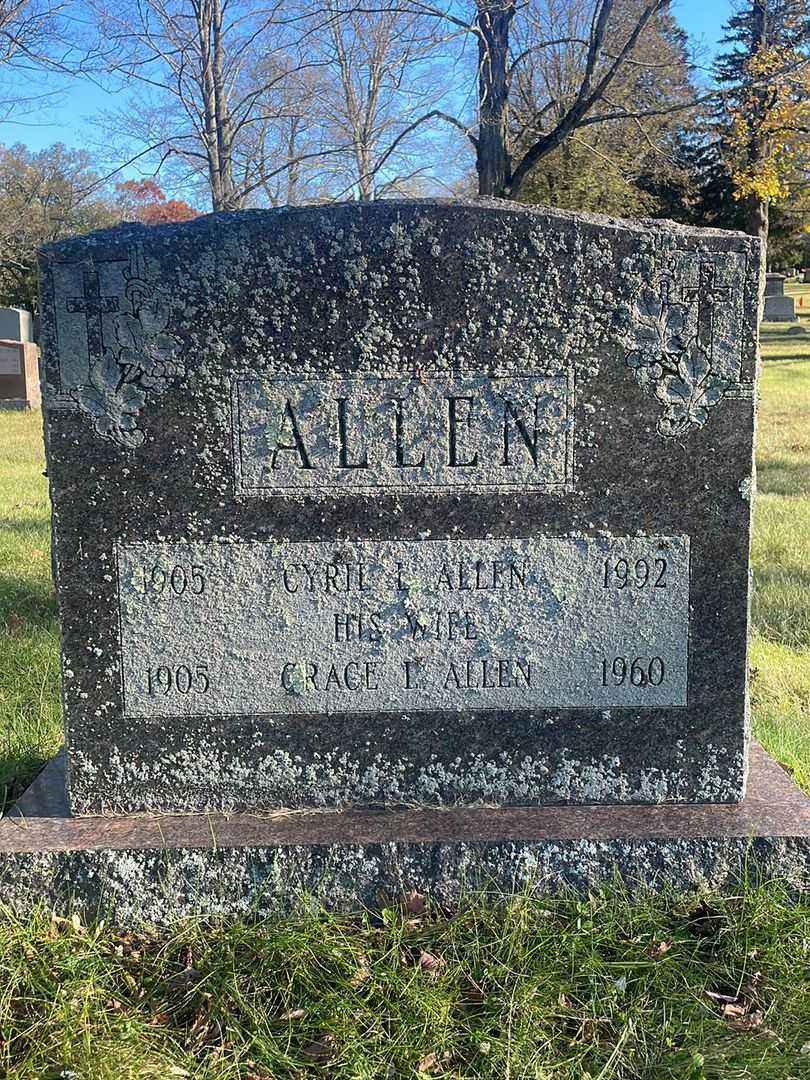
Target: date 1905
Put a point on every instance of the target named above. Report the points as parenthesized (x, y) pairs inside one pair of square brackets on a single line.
[(175, 580), (180, 679)]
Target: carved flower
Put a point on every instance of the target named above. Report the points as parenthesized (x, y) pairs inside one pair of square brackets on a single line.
[(668, 364), (143, 345), (689, 394), (658, 328), (113, 404)]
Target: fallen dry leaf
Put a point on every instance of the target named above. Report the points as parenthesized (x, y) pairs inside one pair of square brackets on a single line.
[(293, 1014), (319, 1049), (734, 1010), (363, 971), (740, 1013), (432, 1062), (730, 998), (201, 1026), (659, 948), (433, 965), (414, 903), (749, 1021)]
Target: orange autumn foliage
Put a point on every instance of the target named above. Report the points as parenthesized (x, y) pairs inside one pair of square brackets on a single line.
[(144, 201)]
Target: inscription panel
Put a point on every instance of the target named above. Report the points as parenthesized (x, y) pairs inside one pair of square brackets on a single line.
[(10, 360), (325, 436), (218, 628)]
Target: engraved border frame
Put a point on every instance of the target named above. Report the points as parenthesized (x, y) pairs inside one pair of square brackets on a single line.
[(242, 490), (141, 718)]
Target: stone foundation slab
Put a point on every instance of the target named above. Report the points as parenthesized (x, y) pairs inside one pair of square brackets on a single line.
[(157, 868)]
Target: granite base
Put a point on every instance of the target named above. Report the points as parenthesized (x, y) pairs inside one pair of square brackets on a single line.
[(157, 868), (779, 309)]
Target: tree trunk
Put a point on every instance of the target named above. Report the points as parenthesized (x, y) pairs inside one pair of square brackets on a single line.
[(293, 164), (757, 208), (494, 162), (230, 198), (206, 83), (217, 126), (756, 218)]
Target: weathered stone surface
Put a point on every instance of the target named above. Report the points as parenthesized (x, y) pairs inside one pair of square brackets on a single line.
[(779, 309), (156, 868), (393, 375), (400, 625)]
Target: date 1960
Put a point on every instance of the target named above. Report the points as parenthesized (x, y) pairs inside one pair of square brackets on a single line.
[(638, 671)]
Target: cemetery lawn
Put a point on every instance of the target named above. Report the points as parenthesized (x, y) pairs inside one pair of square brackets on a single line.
[(30, 713), (780, 650), (570, 989)]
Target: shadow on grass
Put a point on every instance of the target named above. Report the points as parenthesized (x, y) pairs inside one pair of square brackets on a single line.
[(32, 602), (23, 526), (782, 476), (776, 577), (16, 775), (767, 335)]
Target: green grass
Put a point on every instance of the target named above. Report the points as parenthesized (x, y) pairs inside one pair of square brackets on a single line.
[(30, 715), (780, 648), (789, 341), (565, 989), (571, 989)]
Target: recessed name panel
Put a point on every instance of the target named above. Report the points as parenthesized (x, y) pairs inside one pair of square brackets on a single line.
[(327, 436), (10, 360), (218, 628)]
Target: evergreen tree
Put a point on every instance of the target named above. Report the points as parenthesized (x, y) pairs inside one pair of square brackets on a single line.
[(766, 115)]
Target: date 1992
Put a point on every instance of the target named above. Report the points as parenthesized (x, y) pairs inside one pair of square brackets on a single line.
[(641, 573)]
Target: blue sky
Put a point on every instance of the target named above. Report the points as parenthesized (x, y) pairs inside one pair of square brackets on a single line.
[(64, 117), (703, 19)]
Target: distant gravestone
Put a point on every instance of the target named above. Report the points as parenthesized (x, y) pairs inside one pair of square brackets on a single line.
[(416, 504), (778, 307), (16, 324), (19, 361), (806, 276)]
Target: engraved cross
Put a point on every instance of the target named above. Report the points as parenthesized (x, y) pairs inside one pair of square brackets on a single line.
[(92, 305), (707, 292)]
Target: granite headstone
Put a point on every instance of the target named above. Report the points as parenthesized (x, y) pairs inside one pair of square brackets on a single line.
[(778, 307), (16, 324), (19, 361), (403, 503)]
